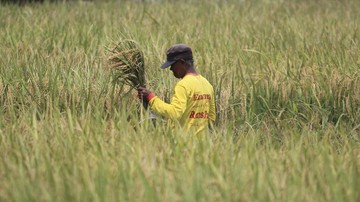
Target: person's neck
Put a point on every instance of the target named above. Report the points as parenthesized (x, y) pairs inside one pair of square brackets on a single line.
[(191, 71)]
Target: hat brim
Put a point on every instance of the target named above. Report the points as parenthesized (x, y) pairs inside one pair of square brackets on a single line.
[(167, 64)]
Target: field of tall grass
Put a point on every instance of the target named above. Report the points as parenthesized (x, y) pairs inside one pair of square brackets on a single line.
[(287, 82)]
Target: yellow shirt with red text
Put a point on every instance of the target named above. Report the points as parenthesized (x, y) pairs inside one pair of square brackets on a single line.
[(192, 105)]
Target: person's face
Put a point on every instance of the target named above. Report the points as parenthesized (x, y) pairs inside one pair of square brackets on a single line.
[(179, 69)]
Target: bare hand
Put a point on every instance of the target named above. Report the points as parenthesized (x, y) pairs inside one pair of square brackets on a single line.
[(143, 93)]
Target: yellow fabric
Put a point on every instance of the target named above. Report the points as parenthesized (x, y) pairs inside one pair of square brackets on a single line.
[(192, 106)]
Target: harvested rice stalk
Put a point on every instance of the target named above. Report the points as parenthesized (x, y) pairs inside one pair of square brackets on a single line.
[(127, 63)]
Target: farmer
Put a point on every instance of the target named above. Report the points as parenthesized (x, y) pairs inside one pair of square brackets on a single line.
[(192, 106)]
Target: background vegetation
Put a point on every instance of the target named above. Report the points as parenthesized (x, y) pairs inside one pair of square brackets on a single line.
[(286, 76)]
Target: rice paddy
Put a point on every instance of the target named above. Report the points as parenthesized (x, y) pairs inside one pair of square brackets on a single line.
[(286, 76)]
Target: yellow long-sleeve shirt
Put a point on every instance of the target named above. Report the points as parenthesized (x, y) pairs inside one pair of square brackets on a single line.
[(192, 105)]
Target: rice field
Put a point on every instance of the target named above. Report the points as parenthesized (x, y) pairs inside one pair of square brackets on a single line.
[(286, 76)]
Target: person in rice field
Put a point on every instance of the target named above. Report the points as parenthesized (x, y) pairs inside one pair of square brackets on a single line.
[(192, 106)]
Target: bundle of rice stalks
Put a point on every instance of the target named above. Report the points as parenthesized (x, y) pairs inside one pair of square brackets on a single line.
[(126, 61)]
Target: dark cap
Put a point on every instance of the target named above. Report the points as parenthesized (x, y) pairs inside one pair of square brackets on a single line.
[(177, 52)]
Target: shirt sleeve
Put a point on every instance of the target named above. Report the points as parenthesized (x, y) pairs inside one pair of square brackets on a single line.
[(175, 109)]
